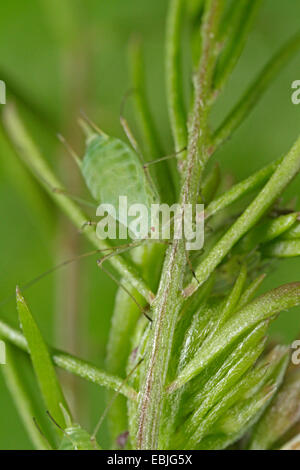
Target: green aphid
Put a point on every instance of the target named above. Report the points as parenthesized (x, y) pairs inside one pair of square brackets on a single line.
[(74, 436), (77, 438), (111, 169)]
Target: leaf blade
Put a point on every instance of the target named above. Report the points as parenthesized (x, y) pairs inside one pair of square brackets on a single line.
[(42, 362)]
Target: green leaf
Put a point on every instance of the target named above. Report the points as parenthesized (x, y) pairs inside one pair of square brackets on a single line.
[(42, 363), (234, 296), (285, 172), (251, 290), (211, 184), (293, 233), (230, 370), (255, 91), (241, 189), (238, 23), (281, 416), (245, 400), (72, 364), (21, 395), (175, 97), (282, 249), (261, 309), (267, 231)]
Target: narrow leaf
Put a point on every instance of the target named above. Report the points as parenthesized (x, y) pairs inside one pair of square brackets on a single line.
[(239, 22), (251, 291), (241, 189), (21, 396), (281, 416), (261, 309), (267, 231), (173, 74), (285, 172), (72, 364), (283, 249), (211, 184), (255, 91), (42, 363)]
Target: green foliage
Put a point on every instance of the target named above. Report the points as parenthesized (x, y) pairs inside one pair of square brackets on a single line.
[(42, 363)]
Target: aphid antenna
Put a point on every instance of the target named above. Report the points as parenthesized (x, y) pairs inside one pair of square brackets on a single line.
[(70, 149), (99, 424), (50, 271), (61, 429), (61, 191), (133, 142), (113, 249), (119, 284)]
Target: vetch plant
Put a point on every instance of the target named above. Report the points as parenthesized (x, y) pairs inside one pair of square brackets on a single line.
[(194, 371)]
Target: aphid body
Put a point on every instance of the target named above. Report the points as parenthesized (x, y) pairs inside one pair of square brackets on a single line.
[(76, 438), (111, 169)]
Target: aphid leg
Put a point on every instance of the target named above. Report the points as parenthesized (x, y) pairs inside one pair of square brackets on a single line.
[(113, 278), (162, 159), (126, 247), (78, 199), (133, 142), (54, 269), (93, 438)]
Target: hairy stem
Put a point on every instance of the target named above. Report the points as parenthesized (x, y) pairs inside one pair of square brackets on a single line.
[(174, 75), (169, 299)]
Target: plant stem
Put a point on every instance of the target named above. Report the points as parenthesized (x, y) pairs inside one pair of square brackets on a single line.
[(174, 75), (169, 299), (40, 169), (72, 364)]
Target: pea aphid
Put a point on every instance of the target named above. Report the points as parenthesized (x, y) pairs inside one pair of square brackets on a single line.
[(74, 436), (111, 168)]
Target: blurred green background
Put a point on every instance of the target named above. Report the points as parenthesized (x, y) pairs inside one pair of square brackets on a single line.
[(67, 55)]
